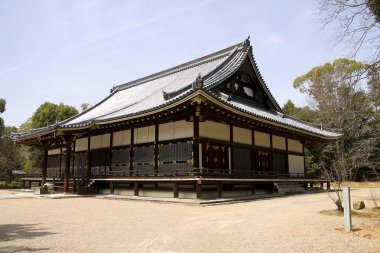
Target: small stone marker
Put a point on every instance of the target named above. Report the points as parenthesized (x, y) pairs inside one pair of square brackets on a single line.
[(347, 209), (358, 205)]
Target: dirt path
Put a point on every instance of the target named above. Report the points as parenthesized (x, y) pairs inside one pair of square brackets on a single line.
[(288, 224)]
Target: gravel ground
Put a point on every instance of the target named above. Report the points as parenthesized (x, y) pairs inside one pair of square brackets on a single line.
[(287, 224)]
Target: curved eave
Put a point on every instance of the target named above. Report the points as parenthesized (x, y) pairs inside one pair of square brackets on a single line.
[(213, 98)]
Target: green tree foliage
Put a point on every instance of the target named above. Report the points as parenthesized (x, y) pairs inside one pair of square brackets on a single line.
[(302, 113), (85, 106), (50, 113), (343, 99)]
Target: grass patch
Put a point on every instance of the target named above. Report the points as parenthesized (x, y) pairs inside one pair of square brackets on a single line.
[(373, 213), (13, 185)]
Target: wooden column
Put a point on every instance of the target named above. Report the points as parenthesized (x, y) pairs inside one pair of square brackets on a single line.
[(110, 153), (232, 148), (287, 155), (131, 151), (156, 151), (136, 189), (328, 186), (175, 190), (44, 163), (112, 188), (23, 184), (196, 142), (68, 140), (253, 188), (89, 157), (219, 188), (60, 162), (29, 184), (198, 189)]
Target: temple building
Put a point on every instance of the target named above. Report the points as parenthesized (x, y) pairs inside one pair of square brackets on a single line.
[(207, 128)]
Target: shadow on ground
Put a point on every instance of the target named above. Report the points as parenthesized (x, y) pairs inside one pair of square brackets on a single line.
[(10, 232)]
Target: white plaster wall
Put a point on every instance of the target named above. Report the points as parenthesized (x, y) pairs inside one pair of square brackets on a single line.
[(278, 142), (262, 139), (214, 130), (121, 138), (144, 134), (295, 146), (175, 130), (81, 144), (100, 141), (54, 151), (296, 164), (242, 135)]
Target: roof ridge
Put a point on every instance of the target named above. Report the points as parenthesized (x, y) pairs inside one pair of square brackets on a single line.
[(181, 67)]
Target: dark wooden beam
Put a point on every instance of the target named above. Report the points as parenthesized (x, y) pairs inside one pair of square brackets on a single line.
[(68, 141), (198, 190), (131, 151), (196, 141), (112, 188), (219, 189), (88, 157), (175, 190), (156, 150), (44, 162), (136, 189)]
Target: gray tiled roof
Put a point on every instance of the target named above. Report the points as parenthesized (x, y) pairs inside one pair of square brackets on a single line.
[(147, 94)]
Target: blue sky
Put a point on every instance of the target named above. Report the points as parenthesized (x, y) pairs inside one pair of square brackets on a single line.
[(75, 51)]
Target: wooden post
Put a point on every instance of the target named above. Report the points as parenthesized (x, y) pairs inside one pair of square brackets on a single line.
[(253, 188), (198, 189), (321, 185), (29, 184), (219, 188), (232, 169), (67, 164), (196, 142), (156, 154), (311, 185), (23, 184), (131, 152), (89, 157), (136, 189), (112, 188), (347, 209), (175, 190), (328, 186), (44, 163)]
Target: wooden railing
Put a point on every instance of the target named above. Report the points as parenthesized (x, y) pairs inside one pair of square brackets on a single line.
[(196, 172)]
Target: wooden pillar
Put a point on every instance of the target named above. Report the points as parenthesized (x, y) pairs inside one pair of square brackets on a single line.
[(156, 151), (196, 142), (175, 190), (131, 152), (328, 186), (136, 189), (110, 153), (198, 190), (112, 188), (219, 188), (287, 155), (44, 163), (29, 184), (253, 188), (60, 162), (89, 157), (311, 185), (321, 185), (232, 148), (67, 164), (23, 184)]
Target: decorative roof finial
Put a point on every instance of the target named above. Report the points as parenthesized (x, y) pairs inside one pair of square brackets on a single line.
[(198, 82), (247, 43), (165, 95)]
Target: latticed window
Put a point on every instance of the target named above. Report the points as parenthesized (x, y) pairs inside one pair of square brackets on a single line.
[(242, 161), (175, 158), (143, 160), (99, 161), (120, 159), (53, 165), (80, 164)]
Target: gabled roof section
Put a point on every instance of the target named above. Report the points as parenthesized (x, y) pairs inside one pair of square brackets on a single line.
[(163, 87)]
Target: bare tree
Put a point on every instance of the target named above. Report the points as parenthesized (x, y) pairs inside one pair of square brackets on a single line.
[(357, 24)]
